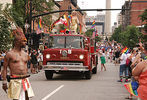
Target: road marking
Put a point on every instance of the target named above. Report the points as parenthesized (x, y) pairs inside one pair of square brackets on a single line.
[(49, 95)]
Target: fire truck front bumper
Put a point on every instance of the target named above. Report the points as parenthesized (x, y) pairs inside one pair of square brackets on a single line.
[(65, 67)]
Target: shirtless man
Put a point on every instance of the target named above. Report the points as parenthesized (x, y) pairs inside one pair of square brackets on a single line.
[(16, 60)]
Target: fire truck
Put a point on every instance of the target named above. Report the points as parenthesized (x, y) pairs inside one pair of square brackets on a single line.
[(67, 53)]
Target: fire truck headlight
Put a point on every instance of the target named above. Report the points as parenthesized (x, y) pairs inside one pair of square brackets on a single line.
[(81, 56), (48, 56)]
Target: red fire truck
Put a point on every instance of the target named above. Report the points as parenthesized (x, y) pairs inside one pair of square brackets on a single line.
[(69, 53)]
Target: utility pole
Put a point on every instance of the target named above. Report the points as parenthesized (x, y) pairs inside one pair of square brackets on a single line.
[(69, 13), (30, 17), (30, 24)]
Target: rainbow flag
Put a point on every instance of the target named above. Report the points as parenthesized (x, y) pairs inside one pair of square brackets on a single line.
[(132, 88), (93, 24), (69, 16), (145, 58), (125, 50), (61, 20), (39, 24)]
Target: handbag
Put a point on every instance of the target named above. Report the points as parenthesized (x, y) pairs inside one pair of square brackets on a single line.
[(128, 62)]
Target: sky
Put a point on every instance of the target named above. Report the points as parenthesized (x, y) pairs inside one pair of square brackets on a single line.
[(101, 4)]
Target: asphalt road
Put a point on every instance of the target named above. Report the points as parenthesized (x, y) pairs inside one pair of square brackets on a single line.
[(102, 86)]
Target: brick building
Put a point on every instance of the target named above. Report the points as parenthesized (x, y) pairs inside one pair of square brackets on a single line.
[(137, 8), (131, 17), (126, 15)]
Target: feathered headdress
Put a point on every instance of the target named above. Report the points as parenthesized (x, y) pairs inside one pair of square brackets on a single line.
[(18, 34)]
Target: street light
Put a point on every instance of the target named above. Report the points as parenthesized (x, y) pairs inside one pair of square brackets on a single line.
[(26, 26)]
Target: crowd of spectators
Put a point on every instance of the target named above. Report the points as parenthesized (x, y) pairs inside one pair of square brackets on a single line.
[(34, 64), (133, 65)]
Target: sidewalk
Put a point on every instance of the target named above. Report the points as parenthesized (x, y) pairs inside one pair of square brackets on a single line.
[(109, 85)]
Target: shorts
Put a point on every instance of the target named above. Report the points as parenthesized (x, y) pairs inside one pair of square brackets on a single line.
[(40, 63), (35, 65), (117, 59)]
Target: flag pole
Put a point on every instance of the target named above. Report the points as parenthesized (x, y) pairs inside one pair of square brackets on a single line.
[(52, 25), (95, 40)]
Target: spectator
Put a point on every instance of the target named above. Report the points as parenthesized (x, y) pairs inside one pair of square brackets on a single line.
[(0, 65), (2, 54), (135, 59), (34, 62), (117, 55), (103, 61), (40, 60), (140, 74), (123, 68)]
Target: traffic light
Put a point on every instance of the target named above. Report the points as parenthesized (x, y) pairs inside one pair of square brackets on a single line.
[(123, 10)]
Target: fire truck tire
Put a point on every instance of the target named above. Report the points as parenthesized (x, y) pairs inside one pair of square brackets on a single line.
[(94, 71), (88, 74), (48, 74)]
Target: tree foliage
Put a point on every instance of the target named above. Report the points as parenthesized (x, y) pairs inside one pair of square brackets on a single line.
[(5, 34), (143, 17), (130, 37), (89, 34), (20, 11), (116, 35), (42, 6)]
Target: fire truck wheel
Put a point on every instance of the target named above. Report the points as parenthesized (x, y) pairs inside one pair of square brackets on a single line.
[(88, 74), (48, 74), (94, 71)]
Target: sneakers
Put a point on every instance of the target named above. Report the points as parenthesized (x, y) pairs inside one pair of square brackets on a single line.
[(119, 80)]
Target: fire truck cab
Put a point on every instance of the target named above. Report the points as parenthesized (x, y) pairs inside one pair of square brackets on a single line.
[(69, 53)]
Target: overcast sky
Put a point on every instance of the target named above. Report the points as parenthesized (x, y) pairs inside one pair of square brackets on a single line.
[(101, 4)]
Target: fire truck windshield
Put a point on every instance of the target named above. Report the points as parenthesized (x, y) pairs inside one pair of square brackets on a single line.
[(66, 42)]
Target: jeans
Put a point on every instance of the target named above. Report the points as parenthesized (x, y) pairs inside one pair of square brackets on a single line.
[(124, 68)]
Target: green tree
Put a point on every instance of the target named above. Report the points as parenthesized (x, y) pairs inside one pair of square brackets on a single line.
[(143, 17), (5, 36), (116, 35), (42, 6), (20, 12), (97, 38), (89, 34), (130, 37)]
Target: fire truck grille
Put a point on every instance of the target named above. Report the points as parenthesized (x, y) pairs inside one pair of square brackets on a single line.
[(65, 63)]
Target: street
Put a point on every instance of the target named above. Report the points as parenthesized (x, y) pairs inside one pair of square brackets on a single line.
[(102, 86)]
